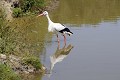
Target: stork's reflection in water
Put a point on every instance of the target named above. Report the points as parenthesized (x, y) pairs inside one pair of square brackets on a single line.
[(59, 56)]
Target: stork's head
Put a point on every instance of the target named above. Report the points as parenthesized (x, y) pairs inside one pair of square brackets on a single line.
[(43, 14)]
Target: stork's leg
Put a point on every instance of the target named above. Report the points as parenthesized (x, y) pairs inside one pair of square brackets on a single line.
[(58, 40), (64, 39)]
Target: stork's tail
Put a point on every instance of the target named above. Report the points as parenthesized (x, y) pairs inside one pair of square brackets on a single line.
[(68, 32)]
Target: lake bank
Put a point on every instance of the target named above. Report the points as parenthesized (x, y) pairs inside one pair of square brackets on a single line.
[(18, 50)]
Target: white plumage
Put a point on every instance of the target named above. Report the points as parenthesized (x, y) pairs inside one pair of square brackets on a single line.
[(53, 27), (56, 27)]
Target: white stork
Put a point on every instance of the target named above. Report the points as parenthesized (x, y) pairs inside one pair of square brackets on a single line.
[(56, 27)]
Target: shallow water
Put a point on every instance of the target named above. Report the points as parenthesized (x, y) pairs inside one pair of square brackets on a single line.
[(95, 44), (94, 56)]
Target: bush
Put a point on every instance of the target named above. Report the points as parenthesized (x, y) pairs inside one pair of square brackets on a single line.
[(6, 73), (17, 12), (31, 5)]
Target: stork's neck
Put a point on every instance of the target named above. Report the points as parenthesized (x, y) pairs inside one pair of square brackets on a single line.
[(49, 20)]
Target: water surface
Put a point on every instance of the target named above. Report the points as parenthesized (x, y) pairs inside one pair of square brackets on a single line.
[(96, 42)]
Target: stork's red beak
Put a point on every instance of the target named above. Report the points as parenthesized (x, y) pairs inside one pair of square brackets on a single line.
[(40, 15)]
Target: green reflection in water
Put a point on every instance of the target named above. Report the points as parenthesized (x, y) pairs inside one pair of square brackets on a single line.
[(87, 11)]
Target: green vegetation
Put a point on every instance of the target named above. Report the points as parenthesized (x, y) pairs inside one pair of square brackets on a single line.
[(13, 41), (17, 12), (17, 40), (32, 60), (32, 6), (13, 38), (6, 73), (7, 39)]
